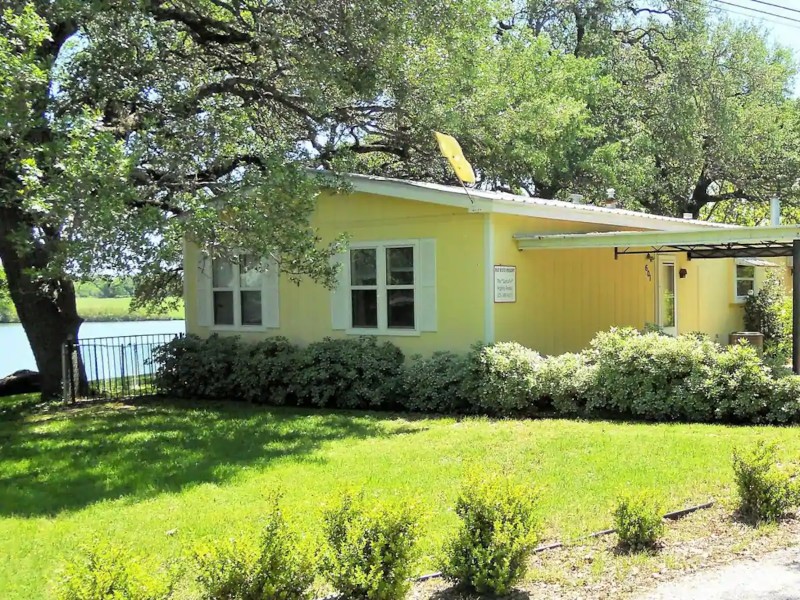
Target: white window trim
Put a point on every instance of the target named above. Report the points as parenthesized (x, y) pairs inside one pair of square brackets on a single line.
[(237, 302), (736, 279), (380, 254)]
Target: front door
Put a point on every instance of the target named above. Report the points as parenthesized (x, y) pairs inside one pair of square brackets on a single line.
[(666, 297)]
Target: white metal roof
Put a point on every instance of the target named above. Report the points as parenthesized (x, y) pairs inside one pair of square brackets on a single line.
[(499, 202)]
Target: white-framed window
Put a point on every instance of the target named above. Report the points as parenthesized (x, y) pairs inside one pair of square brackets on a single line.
[(386, 287), (744, 282), (240, 294), (383, 287), (236, 292)]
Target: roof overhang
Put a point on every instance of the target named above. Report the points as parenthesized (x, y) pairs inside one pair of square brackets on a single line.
[(697, 243)]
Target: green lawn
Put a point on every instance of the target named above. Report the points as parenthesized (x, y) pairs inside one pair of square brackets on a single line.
[(134, 473)]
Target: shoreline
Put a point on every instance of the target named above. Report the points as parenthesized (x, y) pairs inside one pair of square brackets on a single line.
[(114, 319)]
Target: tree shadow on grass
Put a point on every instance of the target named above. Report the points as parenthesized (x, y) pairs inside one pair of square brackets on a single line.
[(72, 458)]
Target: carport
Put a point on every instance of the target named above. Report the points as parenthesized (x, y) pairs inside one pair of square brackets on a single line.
[(705, 243)]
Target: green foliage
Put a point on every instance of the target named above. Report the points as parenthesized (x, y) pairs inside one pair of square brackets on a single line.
[(766, 490), (435, 384), (736, 383), (108, 572), (565, 380), (265, 372), (348, 373), (117, 287), (7, 312), (638, 521), (647, 375), (502, 379), (785, 403), (496, 535), (276, 567), (370, 548), (765, 312), (191, 367)]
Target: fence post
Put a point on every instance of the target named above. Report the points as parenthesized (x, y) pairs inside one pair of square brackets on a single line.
[(67, 370), (64, 382)]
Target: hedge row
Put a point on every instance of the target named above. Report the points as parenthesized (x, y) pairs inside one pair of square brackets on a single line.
[(623, 373)]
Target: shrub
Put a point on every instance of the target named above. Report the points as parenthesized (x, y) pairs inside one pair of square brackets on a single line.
[(502, 379), (766, 491), (349, 373), (497, 533), (264, 372), (435, 384), (106, 571), (785, 403), (736, 383), (276, 567), (764, 311), (647, 375), (638, 521), (190, 367), (565, 379), (370, 548)]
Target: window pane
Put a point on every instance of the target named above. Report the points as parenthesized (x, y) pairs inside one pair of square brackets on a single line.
[(223, 308), (251, 308), (365, 308), (400, 309), (222, 273), (363, 267), (744, 287), (745, 271), (400, 266), (249, 276)]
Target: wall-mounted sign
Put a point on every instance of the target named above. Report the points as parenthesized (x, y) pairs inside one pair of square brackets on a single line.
[(505, 283)]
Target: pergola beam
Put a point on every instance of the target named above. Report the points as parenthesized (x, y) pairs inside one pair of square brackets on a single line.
[(639, 239)]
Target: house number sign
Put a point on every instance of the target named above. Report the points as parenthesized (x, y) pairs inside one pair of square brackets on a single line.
[(505, 283)]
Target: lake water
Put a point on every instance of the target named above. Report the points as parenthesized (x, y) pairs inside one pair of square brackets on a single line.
[(15, 353)]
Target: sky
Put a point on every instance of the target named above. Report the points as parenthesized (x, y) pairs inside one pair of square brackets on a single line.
[(782, 24)]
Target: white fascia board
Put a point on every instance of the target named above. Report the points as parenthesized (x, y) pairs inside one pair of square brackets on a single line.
[(640, 239), (611, 217)]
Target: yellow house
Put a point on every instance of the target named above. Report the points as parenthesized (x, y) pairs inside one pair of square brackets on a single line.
[(430, 267)]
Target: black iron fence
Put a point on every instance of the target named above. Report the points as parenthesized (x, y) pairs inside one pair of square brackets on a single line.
[(111, 367)]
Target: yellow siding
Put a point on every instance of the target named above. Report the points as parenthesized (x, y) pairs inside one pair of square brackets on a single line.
[(565, 296), (305, 310)]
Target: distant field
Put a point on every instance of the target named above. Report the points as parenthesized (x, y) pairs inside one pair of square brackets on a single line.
[(112, 309), (118, 309)]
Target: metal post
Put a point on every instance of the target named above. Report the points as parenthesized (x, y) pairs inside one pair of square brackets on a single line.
[(65, 394), (796, 306)]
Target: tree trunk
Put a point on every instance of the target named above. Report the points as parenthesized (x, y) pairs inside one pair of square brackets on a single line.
[(47, 312)]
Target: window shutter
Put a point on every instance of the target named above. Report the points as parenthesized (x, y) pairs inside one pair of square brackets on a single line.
[(340, 303), (270, 294), (426, 286), (205, 316)]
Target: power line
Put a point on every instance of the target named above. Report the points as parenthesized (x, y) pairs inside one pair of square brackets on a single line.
[(758, 10), (773, 5), (752, 16)]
